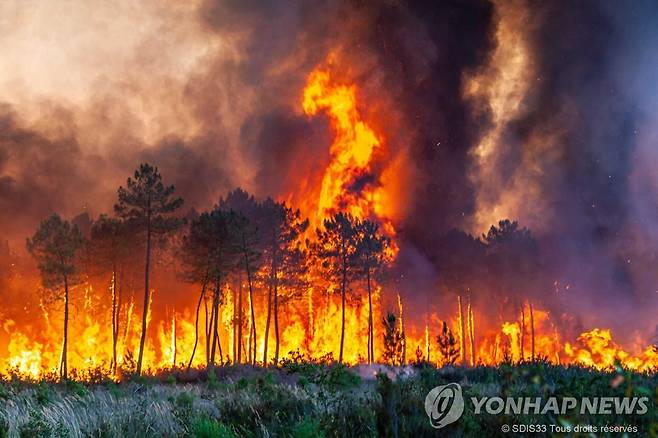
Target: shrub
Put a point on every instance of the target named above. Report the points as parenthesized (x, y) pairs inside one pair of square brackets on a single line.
[(207, 428), (307, 428)]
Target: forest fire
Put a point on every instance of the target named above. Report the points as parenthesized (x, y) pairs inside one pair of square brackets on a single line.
[(173, 346), (296, 218), (279, 296)]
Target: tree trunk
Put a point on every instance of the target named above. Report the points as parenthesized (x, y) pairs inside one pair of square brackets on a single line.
[(208, 325), (64, 364), (342, 306), (113, 364), (213, 343), (219, 342), (147, 292), (252, 335), (234, 322), (214, 322), (239, 319), (276, 321), (371, 349), (252, 328), (403, 338), (269, 310), (522, 330), (462, 339), (267, 324), (250, 349), (532, 332), (471, 331), (196, 321), (118, 289), (173, 335)]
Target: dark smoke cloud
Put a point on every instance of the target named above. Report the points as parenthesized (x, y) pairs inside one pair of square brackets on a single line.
[(422, 51), (38, 175), (581, 105)]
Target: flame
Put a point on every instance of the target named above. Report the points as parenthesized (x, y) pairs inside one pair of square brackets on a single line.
[(349, 182), (37, 355), (312, 324), (352, 149)]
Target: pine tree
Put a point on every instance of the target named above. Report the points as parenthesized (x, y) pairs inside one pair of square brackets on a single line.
[(448, 346), (110, 250), (282, 228), (393, 340), (336, 248), (247, 228), (147, 204), (56, 246), (372, 254)]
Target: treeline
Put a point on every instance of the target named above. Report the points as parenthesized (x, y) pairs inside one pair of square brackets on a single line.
[(266, 244)]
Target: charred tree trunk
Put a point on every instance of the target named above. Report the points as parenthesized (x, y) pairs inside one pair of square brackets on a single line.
[(196, 321), (147, 296)]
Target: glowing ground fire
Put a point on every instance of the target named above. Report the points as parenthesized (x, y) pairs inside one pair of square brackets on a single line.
[(310, 326)]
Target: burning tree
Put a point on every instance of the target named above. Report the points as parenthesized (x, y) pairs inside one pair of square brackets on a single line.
[(111, 249), (372, 255), (246, 239), (448, 346), (210, 256), (336, 248), (512, 256), (146, 204), (460, 258), (249, 245), (56, 246), (195, 256), (393, 340), (282, 228)]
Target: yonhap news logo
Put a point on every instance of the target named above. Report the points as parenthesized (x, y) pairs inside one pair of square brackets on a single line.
[(444, 405)]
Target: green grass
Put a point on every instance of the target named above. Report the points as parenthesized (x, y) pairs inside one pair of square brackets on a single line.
[(304, 399)]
